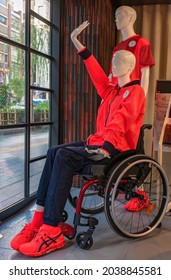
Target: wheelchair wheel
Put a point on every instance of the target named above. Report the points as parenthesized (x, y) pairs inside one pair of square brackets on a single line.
[(140, 183), (92, 202)]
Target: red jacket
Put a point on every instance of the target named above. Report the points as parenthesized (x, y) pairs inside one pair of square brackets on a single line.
[(120, 114)]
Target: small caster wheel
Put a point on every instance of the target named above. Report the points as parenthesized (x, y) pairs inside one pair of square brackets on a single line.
[(81, 243), (64, 216)]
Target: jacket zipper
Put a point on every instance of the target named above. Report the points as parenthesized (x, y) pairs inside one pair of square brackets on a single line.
[(110, 105)]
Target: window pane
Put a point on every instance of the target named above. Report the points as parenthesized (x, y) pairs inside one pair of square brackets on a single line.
[(35, 173), (12, 166), (12, 20), (12, 85), (40, 106), (3, 20), (39, 141), (40, 36), (40, 71), (3, 2), (41, 7)]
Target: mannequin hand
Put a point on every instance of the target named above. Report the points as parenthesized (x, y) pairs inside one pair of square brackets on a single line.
[(99, 151), (103, 152), (79, 29)]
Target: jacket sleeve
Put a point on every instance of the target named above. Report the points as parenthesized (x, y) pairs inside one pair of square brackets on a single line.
[(96, 73), (146, 57), (130, 112)]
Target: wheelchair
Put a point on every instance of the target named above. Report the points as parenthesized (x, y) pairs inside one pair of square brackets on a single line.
[(110, 187)]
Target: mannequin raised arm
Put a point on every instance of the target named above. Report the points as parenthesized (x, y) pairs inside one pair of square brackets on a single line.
[(75, 34)]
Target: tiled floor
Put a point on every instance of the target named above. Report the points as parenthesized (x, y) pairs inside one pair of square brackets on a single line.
[(107, 245)]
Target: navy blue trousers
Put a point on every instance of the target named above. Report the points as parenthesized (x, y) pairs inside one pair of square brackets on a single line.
[(62, 163)]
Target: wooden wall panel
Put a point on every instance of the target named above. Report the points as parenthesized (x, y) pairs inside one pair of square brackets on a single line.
[(78, 98)]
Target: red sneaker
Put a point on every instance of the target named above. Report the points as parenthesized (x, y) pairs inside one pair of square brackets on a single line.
[(67, 230), (47, 239), (24, 236), (136, 204)]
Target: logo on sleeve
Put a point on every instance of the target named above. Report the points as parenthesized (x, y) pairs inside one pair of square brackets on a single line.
[(126, 93), (132, 43)]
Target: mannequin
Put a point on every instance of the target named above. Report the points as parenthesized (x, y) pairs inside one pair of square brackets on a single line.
[(125, 18), (123, 63), (119, 119)]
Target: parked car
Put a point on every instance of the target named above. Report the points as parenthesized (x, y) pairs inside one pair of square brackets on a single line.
[(38, 101), (18, 106), (21, 105)]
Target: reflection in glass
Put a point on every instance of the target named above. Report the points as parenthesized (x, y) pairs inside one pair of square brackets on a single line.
[(41, 7), (40, 36), (40, 71), (12, 166), (39, 141), (12, 85), (35, 173), (40, 106), (12, 20)]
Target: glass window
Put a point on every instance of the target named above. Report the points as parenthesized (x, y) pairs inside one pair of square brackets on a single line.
[(40, 36), (35, 173), (40, 70), (25, 113), (39, 140), (12, 86), (3, 2), (3, 58), (41, 7), (12, 166), (3, 20), (14, 17), (40, 106)]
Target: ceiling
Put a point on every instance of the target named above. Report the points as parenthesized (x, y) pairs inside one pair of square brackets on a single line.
[(118, 3)]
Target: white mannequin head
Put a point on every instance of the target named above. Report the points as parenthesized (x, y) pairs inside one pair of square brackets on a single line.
[(123, 63), (124, 17)]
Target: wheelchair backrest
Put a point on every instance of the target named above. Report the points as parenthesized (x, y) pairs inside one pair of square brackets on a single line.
[(121, 156), (140, 143)]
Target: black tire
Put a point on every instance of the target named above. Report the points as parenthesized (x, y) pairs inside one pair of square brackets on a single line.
[(138, 172), (80, 241), (92, 202)]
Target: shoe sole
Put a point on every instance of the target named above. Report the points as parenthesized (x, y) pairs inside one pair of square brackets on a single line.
[(43, 252)]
